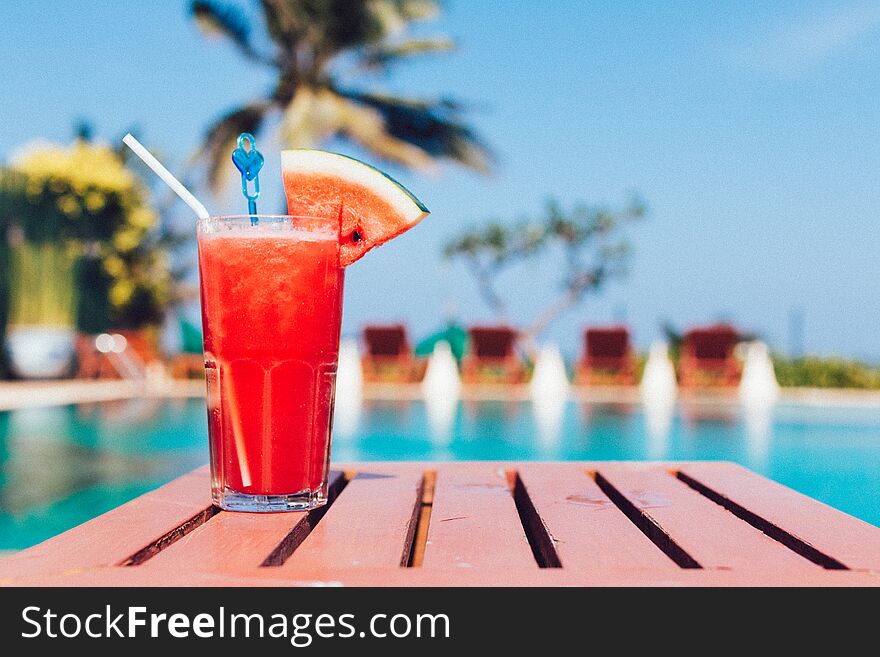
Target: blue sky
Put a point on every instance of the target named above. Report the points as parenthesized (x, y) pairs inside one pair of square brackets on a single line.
[(750, 128)]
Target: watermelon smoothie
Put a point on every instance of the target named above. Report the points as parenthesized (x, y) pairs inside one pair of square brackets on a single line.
[(271, 295)]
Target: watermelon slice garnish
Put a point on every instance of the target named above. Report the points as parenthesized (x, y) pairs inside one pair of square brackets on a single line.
[(371, 207)]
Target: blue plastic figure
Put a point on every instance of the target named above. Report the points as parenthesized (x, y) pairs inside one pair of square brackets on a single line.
[(249, 163)]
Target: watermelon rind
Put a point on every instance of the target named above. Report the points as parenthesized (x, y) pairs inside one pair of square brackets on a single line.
[(349, 168)]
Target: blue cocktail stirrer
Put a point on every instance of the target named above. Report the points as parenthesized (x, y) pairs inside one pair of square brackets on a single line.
[(249, 163)]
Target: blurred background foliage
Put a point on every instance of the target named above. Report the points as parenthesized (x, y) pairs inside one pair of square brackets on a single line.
[(326, 57), (588, 243), (83, 246), (817, 372)]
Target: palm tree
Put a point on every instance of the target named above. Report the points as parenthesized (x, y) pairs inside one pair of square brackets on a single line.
[(318, 50)]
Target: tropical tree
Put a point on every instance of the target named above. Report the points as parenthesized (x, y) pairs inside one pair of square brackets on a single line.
[(84, 242), (587, 242), (323, 54)]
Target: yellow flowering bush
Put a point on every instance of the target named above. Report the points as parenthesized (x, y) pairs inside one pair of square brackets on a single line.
[(83, 194)]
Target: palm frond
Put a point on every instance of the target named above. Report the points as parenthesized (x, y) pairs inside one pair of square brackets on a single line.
[(326, 26), (319, 114), (397, 13), (217, 19), (346, 24), (381, 56), (434, 127), (274, 20), (220, 140), (313, 41), (308, 119), (367, 126), (283, 25), (418, 10)]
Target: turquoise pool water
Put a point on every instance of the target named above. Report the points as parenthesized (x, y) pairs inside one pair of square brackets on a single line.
[(64, 465)]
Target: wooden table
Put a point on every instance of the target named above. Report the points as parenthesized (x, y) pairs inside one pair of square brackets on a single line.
[(478, 523)]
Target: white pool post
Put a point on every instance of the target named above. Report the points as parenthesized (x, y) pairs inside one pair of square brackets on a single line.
[(441, 389), (549, 390), (758, 392), (549, 379), (441, 376), (658, 380), (659, 390), (758, 386), (349, 389)]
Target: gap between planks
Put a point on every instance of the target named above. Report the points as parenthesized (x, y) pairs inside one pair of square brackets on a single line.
[(208, 539), (772, 530), (426, 504)]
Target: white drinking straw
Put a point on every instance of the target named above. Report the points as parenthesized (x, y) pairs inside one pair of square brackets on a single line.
[(165, 175), (237, 428), (202, 213)]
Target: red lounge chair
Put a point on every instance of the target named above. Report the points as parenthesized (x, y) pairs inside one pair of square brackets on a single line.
[(707, 357), (492, 356), (608, 357), (388, 355)]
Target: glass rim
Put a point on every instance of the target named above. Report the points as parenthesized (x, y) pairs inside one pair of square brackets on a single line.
[(229, 217), (270, 223)]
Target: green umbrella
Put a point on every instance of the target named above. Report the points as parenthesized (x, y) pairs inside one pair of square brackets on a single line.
[(191, 337), (455, 334)]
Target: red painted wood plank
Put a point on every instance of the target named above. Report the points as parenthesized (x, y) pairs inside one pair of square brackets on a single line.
[(355, 576), (116, 535), (235, 543), (370, 524), (713, 536), (847, 539), (475, 535), (588, 531), (564, 577), (474, 522)]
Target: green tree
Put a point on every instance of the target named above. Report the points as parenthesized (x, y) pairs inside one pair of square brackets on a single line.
[(86, 242), (589, 241), (322, 53)]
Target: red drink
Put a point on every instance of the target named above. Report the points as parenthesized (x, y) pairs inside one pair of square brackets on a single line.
[(271, 310)]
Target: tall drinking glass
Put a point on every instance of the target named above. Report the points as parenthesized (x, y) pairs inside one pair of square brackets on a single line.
[(271, 291)]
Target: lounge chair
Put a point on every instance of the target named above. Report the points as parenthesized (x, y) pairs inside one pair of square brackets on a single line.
[(708, 359), (128, 361), (492, 356), (388, 355), (90, 363), (608, 357)]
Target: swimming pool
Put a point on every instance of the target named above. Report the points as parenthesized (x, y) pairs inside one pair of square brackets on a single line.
[(63, 465)]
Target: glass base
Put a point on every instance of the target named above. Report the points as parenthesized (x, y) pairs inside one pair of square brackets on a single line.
[(230, 500)]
